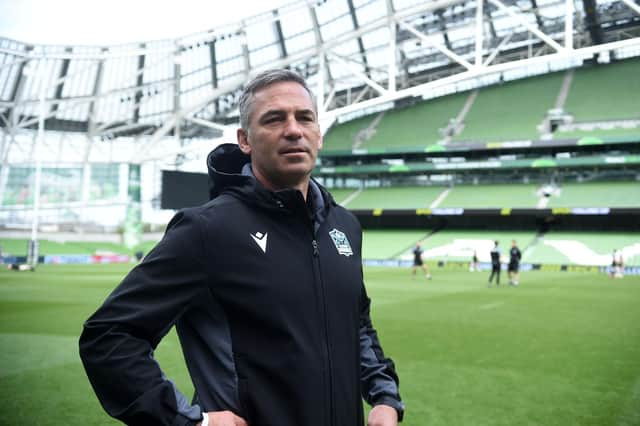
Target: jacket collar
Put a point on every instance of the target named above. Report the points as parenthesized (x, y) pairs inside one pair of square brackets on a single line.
[(230, 171)]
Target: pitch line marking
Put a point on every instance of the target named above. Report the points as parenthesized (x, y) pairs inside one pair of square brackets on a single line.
[(491, 305)]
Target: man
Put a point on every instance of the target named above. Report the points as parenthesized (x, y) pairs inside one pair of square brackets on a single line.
[(264, 285), (474, 266), (495, 264), (514, 263), (617, 264), (418, 263)]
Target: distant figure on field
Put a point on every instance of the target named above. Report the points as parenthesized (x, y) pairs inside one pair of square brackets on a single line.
[(617, 264), (473, 266), (495, 264), (514, 263), (20, 267), (417, 262)]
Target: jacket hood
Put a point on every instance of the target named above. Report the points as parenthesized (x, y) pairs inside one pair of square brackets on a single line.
[(224, 166), (229, 170)]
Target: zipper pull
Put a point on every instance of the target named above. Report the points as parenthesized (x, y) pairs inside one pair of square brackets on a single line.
[(314, 243)]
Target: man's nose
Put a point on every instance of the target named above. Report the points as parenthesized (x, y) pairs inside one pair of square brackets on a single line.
[(292, 129)]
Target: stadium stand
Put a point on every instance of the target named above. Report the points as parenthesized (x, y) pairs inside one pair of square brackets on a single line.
[(589, 194), (568, 248), (389, 244), (418, 125), (488, 196), (601, 102), (459, 245), (585, 248), (597, 194), (396, 198), (341, 196), (343, 136), (605, 92), (511, 110), (18, 246)]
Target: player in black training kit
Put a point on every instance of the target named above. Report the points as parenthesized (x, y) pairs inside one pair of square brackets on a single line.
[(514, 263), (495, 264), (417, 262)]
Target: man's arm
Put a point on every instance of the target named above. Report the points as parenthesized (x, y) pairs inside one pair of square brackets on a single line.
[(117, 343), (377, 373)]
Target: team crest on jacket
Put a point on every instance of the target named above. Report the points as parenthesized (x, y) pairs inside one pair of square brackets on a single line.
[(341, 242)]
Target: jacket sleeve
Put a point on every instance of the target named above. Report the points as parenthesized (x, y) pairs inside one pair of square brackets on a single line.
[(118, 340), (377, 374)]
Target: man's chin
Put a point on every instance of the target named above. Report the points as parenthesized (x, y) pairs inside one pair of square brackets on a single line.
[(295, 175)]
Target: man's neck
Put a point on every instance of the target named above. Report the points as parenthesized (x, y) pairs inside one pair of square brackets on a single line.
[(303, 186)]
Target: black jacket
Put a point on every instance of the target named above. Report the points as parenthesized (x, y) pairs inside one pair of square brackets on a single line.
[(269, 304)]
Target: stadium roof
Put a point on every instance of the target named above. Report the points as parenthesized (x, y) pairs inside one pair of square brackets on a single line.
[(358, 55)]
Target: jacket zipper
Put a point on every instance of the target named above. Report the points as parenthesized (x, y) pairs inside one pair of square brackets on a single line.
[(316, 255)]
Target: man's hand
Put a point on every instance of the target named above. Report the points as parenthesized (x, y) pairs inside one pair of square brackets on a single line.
[(383, 415), (224, 418)]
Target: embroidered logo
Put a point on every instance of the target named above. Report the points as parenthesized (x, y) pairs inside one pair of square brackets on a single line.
[(261, 240), (341, 242)]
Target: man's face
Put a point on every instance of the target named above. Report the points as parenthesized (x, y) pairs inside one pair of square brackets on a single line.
[(283, 138)]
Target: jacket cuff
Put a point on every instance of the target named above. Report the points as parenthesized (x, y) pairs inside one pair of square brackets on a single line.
[(391, 402), (181, 420)]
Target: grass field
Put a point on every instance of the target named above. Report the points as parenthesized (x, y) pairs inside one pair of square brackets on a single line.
[(561, 349)]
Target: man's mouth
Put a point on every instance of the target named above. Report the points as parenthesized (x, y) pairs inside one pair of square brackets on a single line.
[(294, 150)]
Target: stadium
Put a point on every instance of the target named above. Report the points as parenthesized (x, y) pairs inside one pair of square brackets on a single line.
[(448, 123)]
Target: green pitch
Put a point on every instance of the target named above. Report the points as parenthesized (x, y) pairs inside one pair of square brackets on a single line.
[(561, 349)]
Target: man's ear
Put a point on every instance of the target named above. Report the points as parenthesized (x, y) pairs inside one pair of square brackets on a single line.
[(243, 141)]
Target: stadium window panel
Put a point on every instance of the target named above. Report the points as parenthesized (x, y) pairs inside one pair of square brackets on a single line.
[(230, 68), (104, 181), (330, 10), (337, 27), (229, 57), (9, 74), (300, 42), (49, 68), (340, 71), (460, 34), (61, 184), (264, 55), (377, 38), (80, 78), (368, 11), (74, 110), (260, 35), (119, 72), (158, 68), (296, 22), (404, 4), (108, 109), (18, 189)]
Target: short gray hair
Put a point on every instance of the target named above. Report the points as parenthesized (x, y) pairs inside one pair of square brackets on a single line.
[(262, 80)]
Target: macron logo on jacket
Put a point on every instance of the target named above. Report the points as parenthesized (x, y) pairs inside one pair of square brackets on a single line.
[(261, 240)]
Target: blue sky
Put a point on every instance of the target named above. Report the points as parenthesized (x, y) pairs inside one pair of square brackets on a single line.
[(91, 22)]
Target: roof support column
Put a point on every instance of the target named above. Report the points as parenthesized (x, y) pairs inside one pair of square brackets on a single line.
[(393, 46), (64, 70), (279, 34), (568, 24), (363, 55), (319, 43), (479, 31), (214, 71), (139, 83)]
